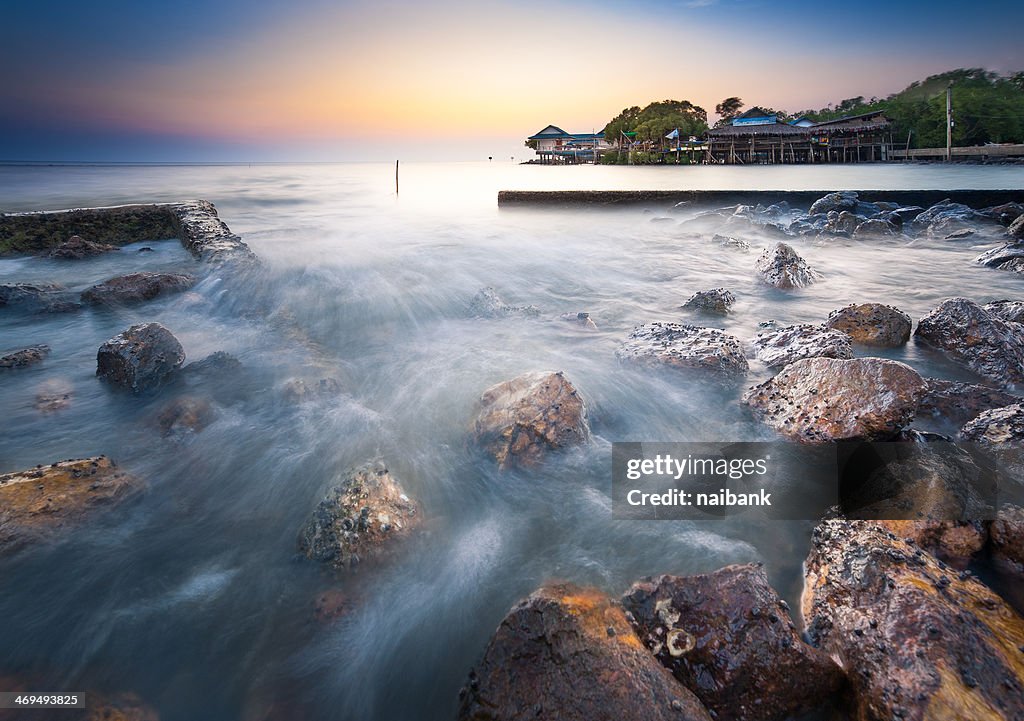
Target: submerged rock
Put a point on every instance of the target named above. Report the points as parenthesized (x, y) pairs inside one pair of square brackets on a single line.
[(872, 324), (716, 300), (581, 319), (488, 304), (25, 357), (969, 334), (781, 347), (728, 637), (727, 241), (360, 519), (960, 402), (299, 391), (217, 365), (37, 298), (828, 399), (37, 503), (781, 267), (77, 248), (53, 395), (140, 358), (684, 347), (137, 288), (568, 653), (185, 415), (521, 420), (917, 640)]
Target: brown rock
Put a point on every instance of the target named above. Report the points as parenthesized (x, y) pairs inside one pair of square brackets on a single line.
[(118, 707), (187, 414), (1007, 540), (955, 542), (685, 347), (728, 637), (41, 501), (718, 301), (363, 517), (918, 641), (960, 402), (996, 427), (827, 399), (777, 348), (568, 653), (137, 287), (25, 357), (332, 604), (77, 248), (523, 419), (53, 395), (872, 324)]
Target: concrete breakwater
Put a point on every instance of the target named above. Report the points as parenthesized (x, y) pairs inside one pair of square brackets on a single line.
[(576, 198), (195, 223)]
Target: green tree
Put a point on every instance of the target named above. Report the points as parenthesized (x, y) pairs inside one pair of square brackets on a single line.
[(728, 109)]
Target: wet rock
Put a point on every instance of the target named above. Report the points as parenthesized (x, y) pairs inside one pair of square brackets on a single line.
[(716, 300), (332, 604), (521, 420), (362, 518), (77, 248), (488, 304), (39, 502), (781, 267), (876, 228), (580, 319), (960, 234), (828, 399), (726, 241), (214, 366), (945, 217), (842, 223), (997, 426), (834, 202), (53, 395), (917, 640), (1011, 311), (906, 213), (1005, 213), (1007, 540), (141, 358), (684, 347), (1009, 256), (970, 335), (118, 707), (299, 391), (728, 637), (781, 347), (25, 357), (206, 236), (185, 415), (137, 288), (955, 542), (37, 298), (1016, 229), (960, 402), (872, 324), (568, 653)]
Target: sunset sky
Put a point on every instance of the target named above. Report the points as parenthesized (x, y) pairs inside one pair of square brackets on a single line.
[(211, 80)]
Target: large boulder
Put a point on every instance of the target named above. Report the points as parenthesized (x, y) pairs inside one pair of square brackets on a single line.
[(684, 347), (918, 641), (829, 399), (568, 653), (76, 248), (970, 335), (842, 223), (1007, 540), (944, 217), (360, 519), (1011, 311), (957, 543), (728, 637), (1009, 256), (781, 267), (959, 402), (137, 288), (717, 300), (38, 502), (140, 358), (25, 357), (776, 348), (872, 324), (835, 202), (521, 420), (37, 298), (996, 427)]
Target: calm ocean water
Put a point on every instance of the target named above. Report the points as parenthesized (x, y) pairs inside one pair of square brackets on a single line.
[(193, 596)]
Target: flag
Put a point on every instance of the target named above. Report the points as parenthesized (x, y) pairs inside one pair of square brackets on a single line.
[(673, 135)]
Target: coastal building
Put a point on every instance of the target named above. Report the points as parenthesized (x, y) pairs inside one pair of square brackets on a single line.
[(760, 137), (554, 145)]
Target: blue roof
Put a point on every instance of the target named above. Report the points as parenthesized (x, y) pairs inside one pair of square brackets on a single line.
[(553, 132)]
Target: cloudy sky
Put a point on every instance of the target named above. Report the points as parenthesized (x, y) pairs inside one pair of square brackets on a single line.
[(250, 80)]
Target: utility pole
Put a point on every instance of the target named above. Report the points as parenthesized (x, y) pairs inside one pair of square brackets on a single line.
[(949, 123)]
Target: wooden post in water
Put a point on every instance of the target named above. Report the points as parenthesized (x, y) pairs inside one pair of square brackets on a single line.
[(396, 178), (949, 123)]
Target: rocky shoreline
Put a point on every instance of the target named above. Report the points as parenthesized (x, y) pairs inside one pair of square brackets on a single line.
[(893, 623)]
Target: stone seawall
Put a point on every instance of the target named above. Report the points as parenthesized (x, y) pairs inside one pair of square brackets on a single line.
[(606, 198), (195, 223)]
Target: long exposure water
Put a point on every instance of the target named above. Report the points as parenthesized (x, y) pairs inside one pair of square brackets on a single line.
[(193, 595)]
